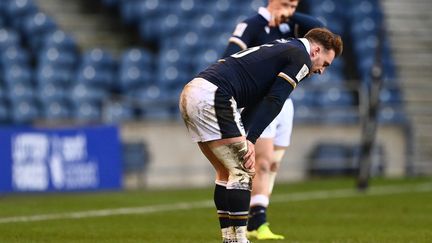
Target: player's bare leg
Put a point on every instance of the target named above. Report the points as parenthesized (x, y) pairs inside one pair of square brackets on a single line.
[(258, 226), (278, 154)]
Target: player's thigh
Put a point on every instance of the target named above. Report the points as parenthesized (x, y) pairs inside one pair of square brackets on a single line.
[(209, 113), (263, 153)]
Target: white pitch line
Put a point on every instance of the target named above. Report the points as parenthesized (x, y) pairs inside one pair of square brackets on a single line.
[(289, 197)]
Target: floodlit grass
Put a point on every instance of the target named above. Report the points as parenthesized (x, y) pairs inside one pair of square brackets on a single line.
[(314, 211)]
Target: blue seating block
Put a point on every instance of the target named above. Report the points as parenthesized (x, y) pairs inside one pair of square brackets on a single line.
[(56, 111)]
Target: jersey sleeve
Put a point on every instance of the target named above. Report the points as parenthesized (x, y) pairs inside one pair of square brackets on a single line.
[(304, 23), (297, 70), (242, 37), (286, 81), (263, 114)]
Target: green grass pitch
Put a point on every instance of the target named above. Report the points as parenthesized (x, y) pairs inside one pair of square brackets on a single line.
[(320, 210)]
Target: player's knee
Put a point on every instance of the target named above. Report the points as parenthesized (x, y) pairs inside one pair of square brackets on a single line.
[(231, 156), (274, 167), (277, 158), (262, 166)]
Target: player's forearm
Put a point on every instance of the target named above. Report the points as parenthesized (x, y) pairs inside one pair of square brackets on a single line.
[(267, 110)]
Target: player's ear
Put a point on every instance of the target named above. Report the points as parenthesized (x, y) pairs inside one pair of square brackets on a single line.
[(314, 51), (317, 50)]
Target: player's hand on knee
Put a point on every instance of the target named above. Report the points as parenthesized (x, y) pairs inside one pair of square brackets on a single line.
[(249, 157)]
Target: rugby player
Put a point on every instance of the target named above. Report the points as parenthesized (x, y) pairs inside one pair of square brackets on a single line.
[(258, 79), (278, 19)]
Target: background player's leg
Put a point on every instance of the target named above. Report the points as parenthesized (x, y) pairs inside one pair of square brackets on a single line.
[(278, 154), (260, 193)]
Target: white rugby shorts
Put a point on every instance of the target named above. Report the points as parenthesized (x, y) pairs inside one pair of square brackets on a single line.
[(280, 128), (208, 112)]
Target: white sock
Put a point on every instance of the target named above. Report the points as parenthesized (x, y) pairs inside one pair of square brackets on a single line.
[(259, 199), (240, 234), (272, 178), (228, 234)]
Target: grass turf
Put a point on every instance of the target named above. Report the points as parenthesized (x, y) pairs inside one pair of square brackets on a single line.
[(317, 214)]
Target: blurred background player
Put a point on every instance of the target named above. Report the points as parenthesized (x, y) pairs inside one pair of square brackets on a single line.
[(278, 20)]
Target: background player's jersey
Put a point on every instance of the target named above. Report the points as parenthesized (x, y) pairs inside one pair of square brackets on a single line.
[(255, 31)]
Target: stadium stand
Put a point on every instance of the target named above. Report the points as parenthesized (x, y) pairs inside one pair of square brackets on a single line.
[(46, 75), (61, 77), (187, 28)]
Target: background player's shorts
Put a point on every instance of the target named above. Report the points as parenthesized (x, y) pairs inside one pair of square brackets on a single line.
[(209, 113), (281, 127)]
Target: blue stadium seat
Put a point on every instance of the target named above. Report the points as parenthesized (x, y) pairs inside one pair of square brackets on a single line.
[(35, 28), (134, 76), (86, 111), (332, 13), (137, 56), (4, 113), (186, 44), (111, 3), (160, 27), (94, 76), (331, 77), (205, 23), (38, 23), (60, 40), (391, 96), (17, 74), (154, 103), (118, 111), (8, 38), (54, 74), (24, 111), (173, 68), (339, 115), (188, 8), (81, 92), (130, 12), (56, 110), (335, 97), (391, 114), (58, 58), (20, 92), (17, 10), (331, 159), (359, 10), (147, 10), (304, 96), (135, 69), (254, 5), (3, 92), (205, 58), (99, 58), (14, 55), (304, 114), (51, 92)]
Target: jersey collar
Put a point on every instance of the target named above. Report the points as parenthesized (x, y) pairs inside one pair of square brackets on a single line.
[(264, 13), (306, 44)]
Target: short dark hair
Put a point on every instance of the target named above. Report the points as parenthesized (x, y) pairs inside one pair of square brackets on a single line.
[(326, 38)]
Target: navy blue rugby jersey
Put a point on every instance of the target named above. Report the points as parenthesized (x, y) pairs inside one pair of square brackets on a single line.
[(261, 77), (255, 31), (261, 70)]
